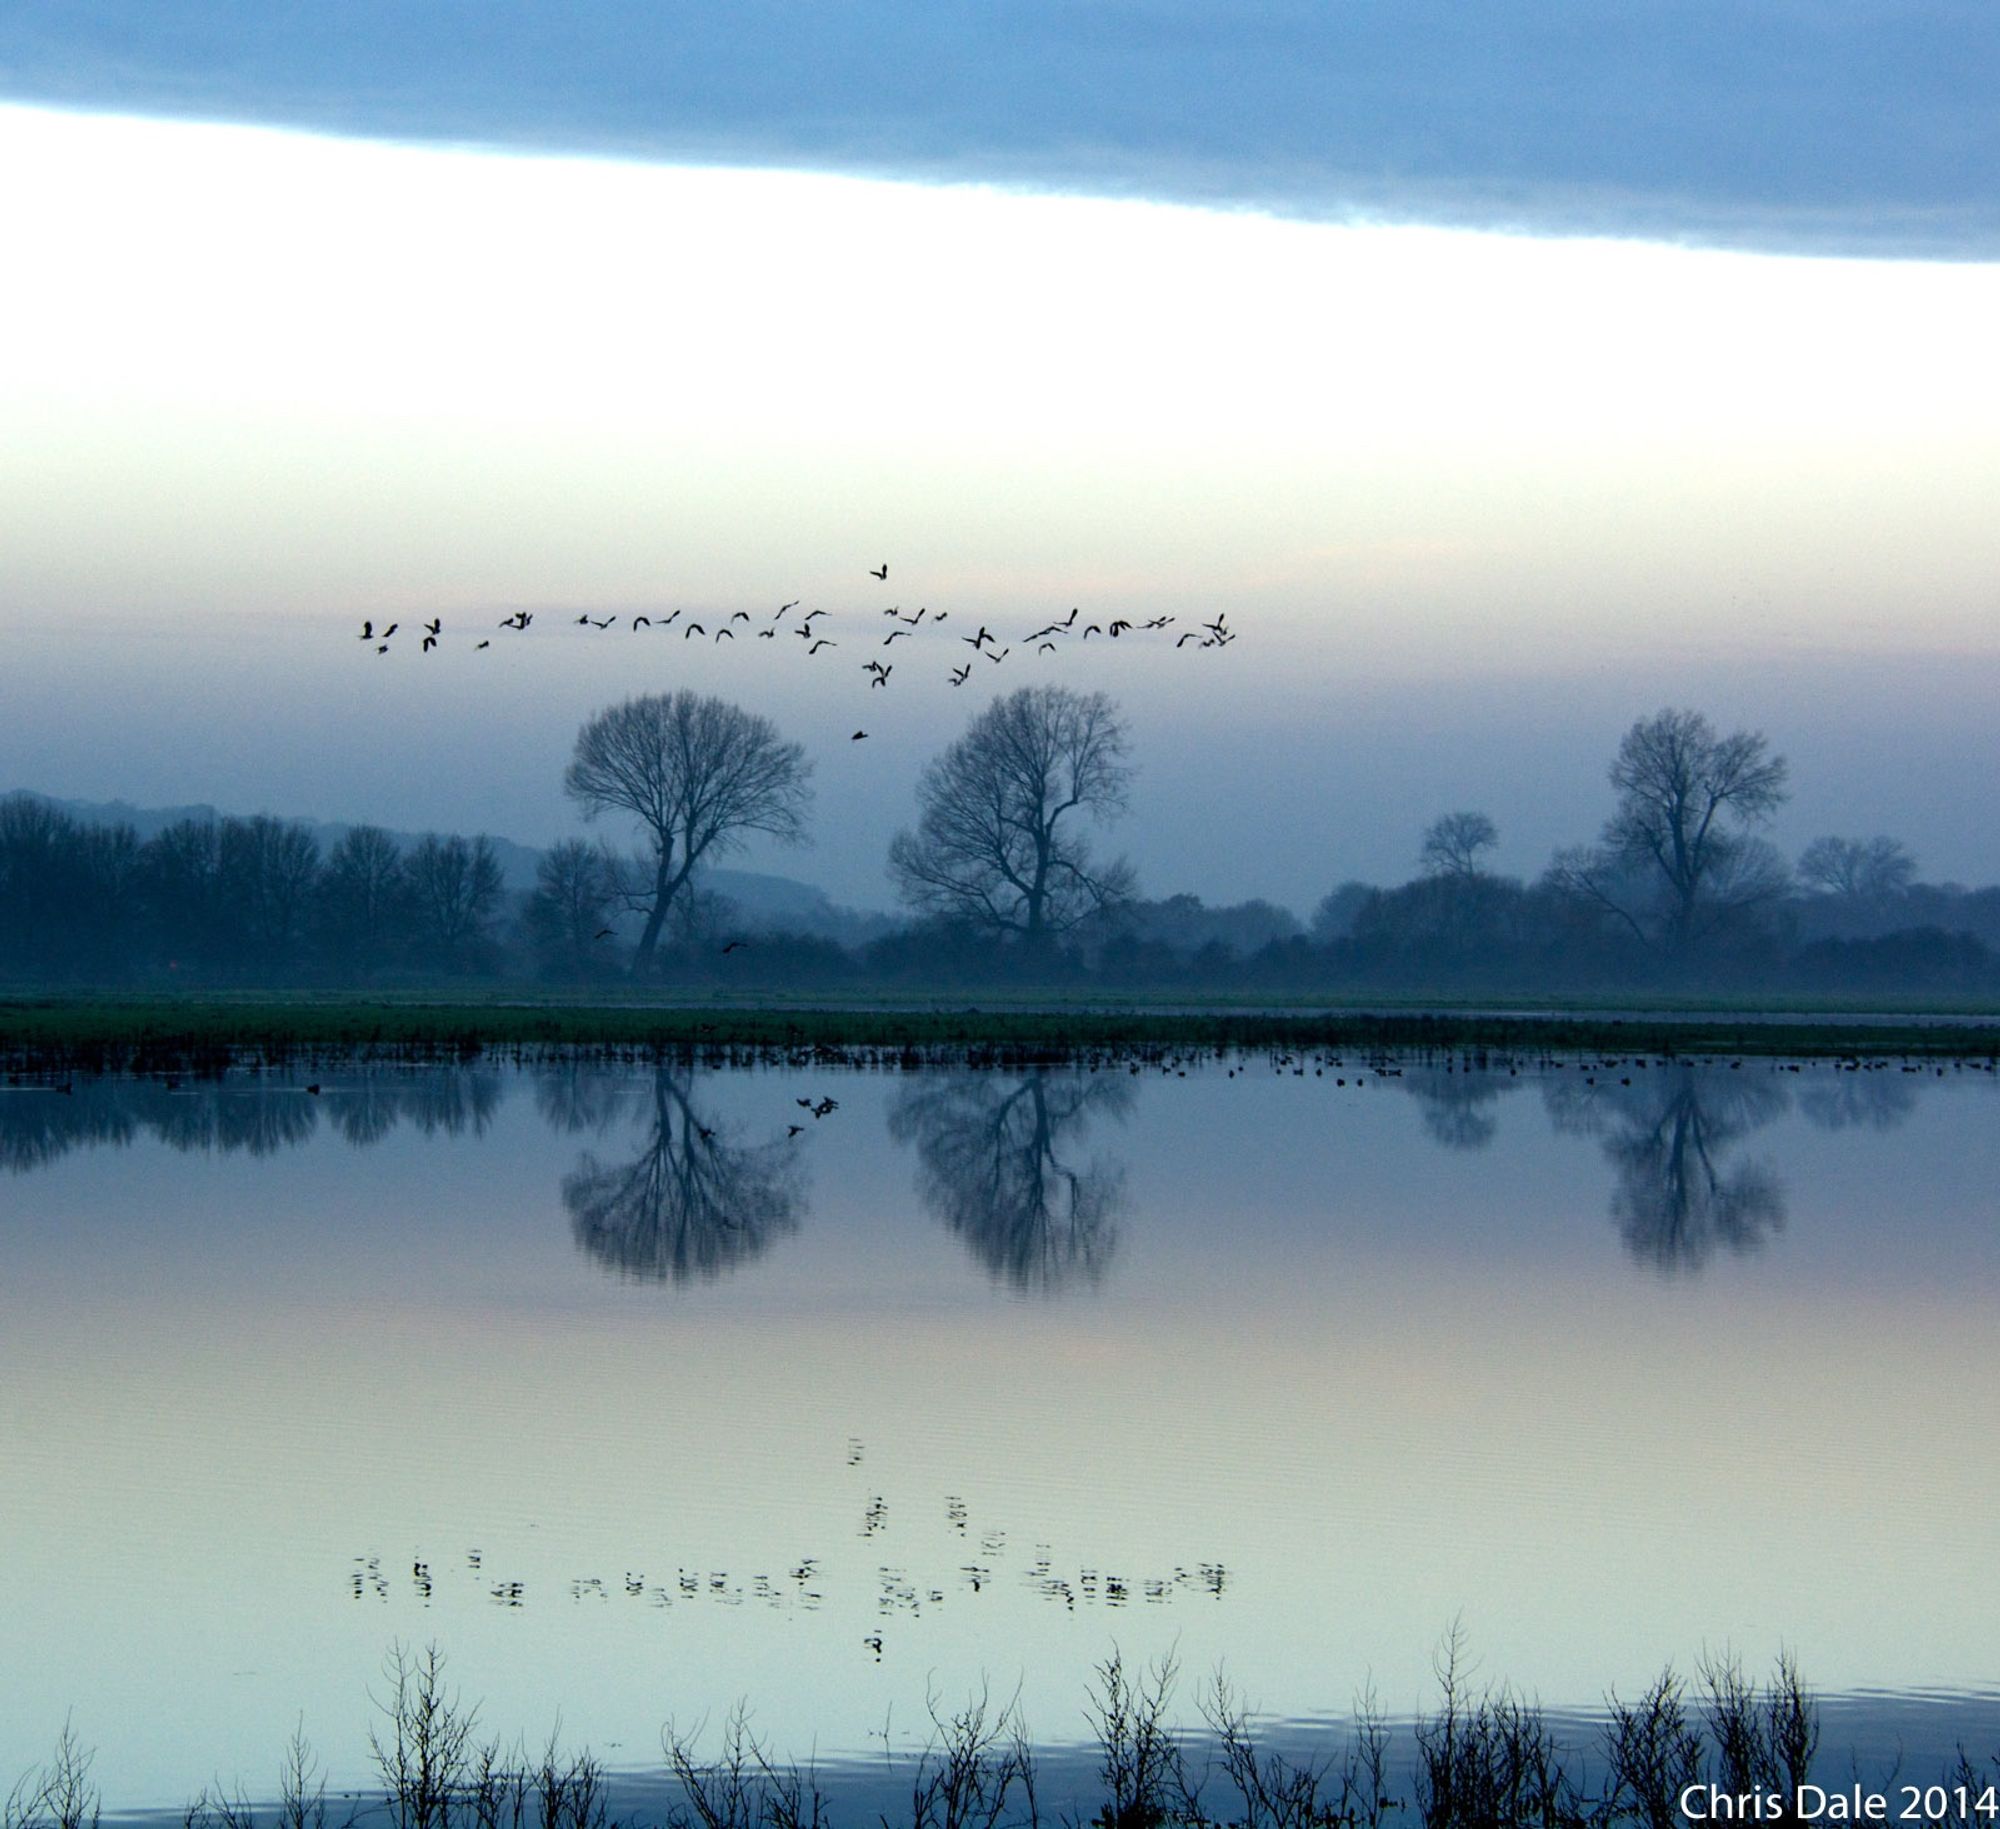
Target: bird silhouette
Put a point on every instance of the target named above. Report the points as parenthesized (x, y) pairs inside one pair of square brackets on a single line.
[(430, 642), (895, 635), (730, 634), (734, 944), (603, 933), (858, 735), (977, 641), (740, 616), (368, 631), (783, 607), (823, 642), (390, 630), (485, 644), (693, 629), (435, 626), (882, 571), (959, 675)]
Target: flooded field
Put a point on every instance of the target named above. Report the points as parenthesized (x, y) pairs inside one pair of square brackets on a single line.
[(640, 1392)]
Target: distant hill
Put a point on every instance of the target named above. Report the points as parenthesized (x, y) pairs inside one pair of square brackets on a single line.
[(764, 903)]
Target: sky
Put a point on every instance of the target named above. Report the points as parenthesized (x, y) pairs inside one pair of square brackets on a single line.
[(1500, 380)]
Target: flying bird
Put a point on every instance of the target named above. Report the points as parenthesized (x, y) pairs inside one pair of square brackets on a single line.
[(734, 944), (823, 642), (959, 676), (895, 635), (883, 572), (368, 631), (858, 735), (783, 607)]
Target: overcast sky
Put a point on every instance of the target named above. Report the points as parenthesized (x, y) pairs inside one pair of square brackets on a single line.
[(1531, 379)]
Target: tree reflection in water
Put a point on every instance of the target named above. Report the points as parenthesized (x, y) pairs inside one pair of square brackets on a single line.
[(1667, 1134), (691, 1205), (1455, 1104), (240, 1114), (992, 1152)]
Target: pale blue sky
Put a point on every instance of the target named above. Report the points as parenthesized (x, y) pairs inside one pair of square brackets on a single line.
[(1474, 499)]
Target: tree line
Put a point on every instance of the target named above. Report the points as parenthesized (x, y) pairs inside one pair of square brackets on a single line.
[(1001, 881)]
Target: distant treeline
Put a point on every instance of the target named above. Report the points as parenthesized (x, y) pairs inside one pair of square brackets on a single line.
[(259, 902)]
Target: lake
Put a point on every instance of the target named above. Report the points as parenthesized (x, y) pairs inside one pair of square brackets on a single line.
[(643, 1391)]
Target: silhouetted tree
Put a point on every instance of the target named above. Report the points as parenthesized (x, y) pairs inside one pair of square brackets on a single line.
[(188, 910), (1867, 869), (690, 1204), (995, 843), (1338, 911), (364, 899), (991, 1148), (455, 886), (698, 774), (68, 893), (1674, 860), (268, 871), (575, 885), (1453, 842)]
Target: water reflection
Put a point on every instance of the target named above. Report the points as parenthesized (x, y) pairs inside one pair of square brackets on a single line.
[(256, 1117), (1859, 1098), (1001, 1157), (690, 1205), (996, 1154), (1457, 1107), (1668, 1134)]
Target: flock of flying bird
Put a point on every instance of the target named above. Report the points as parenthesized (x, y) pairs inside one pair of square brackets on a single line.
[(924, 625)]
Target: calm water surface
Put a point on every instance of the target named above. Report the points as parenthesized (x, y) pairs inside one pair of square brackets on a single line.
[(640, 1392)]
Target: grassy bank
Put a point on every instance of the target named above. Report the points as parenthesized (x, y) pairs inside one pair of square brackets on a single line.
[(113, 1034)]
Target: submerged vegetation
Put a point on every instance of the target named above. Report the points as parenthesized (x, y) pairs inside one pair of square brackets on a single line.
[(197, 1035), (1483, 1757)]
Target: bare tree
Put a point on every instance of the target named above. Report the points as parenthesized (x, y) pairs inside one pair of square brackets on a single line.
[(995, 842), (455, 887), (697, 773), (1677, 840), (364, 896), (1868, 869), (1453, 842), (575, 884)]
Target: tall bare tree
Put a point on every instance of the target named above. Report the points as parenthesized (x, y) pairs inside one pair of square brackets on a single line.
[(996, 842), (1678, 839), (455, 889), (1453, 842), (698, 774), (1869, 869)]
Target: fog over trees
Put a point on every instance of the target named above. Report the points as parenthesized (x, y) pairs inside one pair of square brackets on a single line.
[(1679, 893)]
